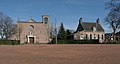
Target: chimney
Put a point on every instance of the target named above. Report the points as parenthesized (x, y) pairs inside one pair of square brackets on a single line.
[(80, 20), (98, 21)]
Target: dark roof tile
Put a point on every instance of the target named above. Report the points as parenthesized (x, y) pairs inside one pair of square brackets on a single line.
[(88, 26)]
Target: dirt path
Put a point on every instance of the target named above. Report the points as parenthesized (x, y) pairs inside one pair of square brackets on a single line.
[(60, 54)]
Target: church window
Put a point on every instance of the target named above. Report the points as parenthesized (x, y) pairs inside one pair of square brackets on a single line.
[(46, 20), (31, 27)]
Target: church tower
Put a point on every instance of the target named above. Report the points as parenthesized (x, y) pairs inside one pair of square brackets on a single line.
[(45, 19)]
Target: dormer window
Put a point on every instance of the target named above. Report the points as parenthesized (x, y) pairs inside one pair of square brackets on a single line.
[(94, 29)]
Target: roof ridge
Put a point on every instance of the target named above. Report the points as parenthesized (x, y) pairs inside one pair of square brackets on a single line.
[(88, 22), (31, 20)]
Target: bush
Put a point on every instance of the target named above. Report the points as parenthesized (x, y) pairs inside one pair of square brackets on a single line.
[(76, 42), (9, 42)]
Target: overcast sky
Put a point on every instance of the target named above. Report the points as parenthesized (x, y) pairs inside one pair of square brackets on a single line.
[(66, 11)]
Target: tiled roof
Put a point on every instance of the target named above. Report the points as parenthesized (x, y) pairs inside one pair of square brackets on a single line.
[(88, 26)]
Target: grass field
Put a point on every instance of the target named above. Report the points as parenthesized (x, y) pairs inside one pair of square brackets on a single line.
[(60, 54)]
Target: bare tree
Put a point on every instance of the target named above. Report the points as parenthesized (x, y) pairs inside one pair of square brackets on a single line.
[(6, 26), (113, 17)]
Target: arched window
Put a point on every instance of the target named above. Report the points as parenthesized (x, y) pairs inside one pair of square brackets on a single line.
[(31, 27)]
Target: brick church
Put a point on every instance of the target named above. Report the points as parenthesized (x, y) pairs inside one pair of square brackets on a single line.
[(33, 32)]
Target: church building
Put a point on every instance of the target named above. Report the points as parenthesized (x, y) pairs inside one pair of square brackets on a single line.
[(33, 32)]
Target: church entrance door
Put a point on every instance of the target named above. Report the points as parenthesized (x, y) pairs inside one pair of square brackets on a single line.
[(31, 39)]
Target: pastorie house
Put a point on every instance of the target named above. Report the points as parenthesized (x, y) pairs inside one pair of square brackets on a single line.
[(89, 31), (33, 32)]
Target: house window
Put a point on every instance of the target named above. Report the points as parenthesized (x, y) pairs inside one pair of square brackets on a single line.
[(86, 36), (102, 37), (75, 36), (90, 36), (81, 36), (98, 36), (94, 36)]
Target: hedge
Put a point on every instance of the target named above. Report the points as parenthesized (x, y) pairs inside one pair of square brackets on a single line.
[(76, 42), (111, 42), (9, 42)]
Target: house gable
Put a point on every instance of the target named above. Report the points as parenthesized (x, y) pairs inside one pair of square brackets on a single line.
[(80, 27)]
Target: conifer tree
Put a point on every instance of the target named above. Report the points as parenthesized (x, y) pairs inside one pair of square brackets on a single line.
[(61, 33)]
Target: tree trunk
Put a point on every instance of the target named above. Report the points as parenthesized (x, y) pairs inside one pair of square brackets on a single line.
[(114, 36)]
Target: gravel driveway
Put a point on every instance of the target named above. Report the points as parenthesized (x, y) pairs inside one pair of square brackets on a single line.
[(60, 54)]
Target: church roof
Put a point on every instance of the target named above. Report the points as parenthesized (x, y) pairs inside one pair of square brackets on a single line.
[(88, 26), (29, 21)]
